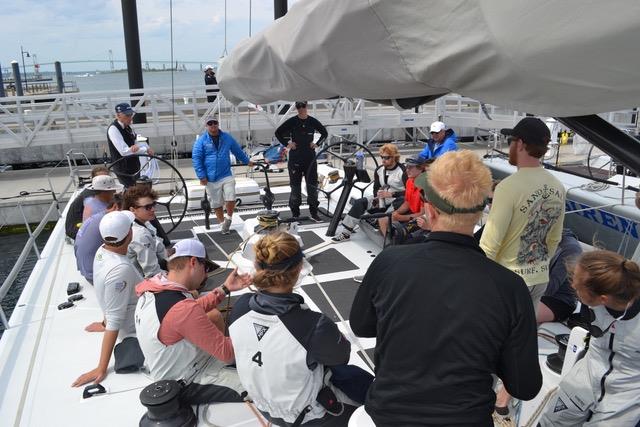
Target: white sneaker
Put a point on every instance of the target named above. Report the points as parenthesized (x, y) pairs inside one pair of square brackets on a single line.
[(341, 237), (225, 226)]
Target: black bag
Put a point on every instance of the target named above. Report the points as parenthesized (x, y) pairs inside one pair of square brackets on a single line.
[(128, 356)]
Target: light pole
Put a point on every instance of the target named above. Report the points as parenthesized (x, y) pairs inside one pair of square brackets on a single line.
[(24, 69)]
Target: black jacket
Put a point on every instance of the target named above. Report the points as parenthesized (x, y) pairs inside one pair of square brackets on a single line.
[(445, 318), (301, 132)]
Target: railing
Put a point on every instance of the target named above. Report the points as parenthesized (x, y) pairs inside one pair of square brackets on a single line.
[(33, 234), (80, 118)]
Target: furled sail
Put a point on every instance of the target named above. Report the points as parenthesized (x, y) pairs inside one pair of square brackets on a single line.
[(549, 57)]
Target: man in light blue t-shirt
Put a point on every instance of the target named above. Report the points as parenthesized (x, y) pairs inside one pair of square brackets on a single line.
[(88, 239)]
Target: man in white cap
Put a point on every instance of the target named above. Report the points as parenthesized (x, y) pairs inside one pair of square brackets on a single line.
[(183, 337), (104, 187), (442, 140), (210, 80), (114, 279)]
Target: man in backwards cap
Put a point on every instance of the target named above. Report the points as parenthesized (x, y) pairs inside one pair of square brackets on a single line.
[(122, 143), (182, 337), (114, 279), (446, 317), (525, 222)]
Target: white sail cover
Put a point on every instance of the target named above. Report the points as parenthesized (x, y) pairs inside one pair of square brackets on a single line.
[(553, 57)]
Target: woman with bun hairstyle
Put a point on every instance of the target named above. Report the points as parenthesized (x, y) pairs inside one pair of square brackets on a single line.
[(292, 360), (603, 388)]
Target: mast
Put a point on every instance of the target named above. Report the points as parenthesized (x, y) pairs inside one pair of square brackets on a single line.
[(132, 47)]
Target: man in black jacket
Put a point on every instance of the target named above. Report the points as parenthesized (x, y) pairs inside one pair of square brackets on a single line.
[(444, 315), (296, 134), (210, 80)]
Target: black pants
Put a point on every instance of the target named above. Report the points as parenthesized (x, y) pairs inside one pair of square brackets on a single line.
[(297, 170)]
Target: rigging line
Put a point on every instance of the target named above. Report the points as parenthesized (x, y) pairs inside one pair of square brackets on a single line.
[(347, 326), (224, 53), (173, 95), (249, 138)]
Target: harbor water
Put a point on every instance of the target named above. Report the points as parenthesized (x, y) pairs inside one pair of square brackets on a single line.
[(10, 246), (98, 81)]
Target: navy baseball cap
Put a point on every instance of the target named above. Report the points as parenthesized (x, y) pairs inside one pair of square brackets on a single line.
[(415, 160), (124, 108), (531, 130)]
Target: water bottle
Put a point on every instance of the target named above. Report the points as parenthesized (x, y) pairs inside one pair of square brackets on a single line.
[(360, 160)]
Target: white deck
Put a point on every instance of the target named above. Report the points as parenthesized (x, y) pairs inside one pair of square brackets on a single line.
[(45, 349)]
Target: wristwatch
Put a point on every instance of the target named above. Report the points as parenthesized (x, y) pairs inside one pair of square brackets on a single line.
[(225, 290)]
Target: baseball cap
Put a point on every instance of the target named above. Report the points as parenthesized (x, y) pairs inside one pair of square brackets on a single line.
[(301, 104), (415, 160), (115, 226), (531, 130), (208, 67), (210, 119), (437, 127), (195, 248), (105, 183), (124, 108)]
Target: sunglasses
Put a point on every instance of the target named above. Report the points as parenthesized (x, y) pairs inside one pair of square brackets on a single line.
[(386, 157), (511, 139), (148, 207), (208, 268), (212, 123)]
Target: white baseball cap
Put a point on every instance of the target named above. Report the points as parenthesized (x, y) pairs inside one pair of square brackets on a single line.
[(208, 67), (105, 183), (437, 127), (115, 226), (195, 248)]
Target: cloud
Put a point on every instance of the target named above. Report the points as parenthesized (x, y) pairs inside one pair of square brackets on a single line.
[(71, 30)]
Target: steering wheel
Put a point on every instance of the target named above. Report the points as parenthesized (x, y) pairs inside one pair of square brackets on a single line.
[(348, 158), (171, 183)]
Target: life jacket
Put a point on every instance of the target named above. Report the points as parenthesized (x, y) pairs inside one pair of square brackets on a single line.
[(180, 361)]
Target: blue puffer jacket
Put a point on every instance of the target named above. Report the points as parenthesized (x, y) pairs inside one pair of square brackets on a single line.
[(433, 150), (214, 163)]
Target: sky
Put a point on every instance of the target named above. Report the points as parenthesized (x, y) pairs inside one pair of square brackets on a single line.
[(76, 30)]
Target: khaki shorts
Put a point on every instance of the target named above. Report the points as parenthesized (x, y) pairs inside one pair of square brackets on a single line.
[(222, 191), (536, 292)]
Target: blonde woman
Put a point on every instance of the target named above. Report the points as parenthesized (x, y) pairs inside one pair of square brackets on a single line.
[(603, 388), (285, 352)]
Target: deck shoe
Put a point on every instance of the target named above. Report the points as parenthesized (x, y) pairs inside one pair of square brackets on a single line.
[(502, 421), (314, 217), (225, 226), (341, 237)]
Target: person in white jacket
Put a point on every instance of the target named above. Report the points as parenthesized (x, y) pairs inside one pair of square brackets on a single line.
[(147, 250), (603, 388)]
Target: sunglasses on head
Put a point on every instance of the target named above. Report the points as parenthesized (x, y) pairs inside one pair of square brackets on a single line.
[(212, 122), (148, 207)]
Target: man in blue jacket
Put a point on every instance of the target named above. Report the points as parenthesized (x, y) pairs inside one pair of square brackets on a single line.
[(441, 141), (212, 164)]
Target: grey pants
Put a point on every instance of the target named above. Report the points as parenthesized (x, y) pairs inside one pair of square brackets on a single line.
[(576, 404)]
